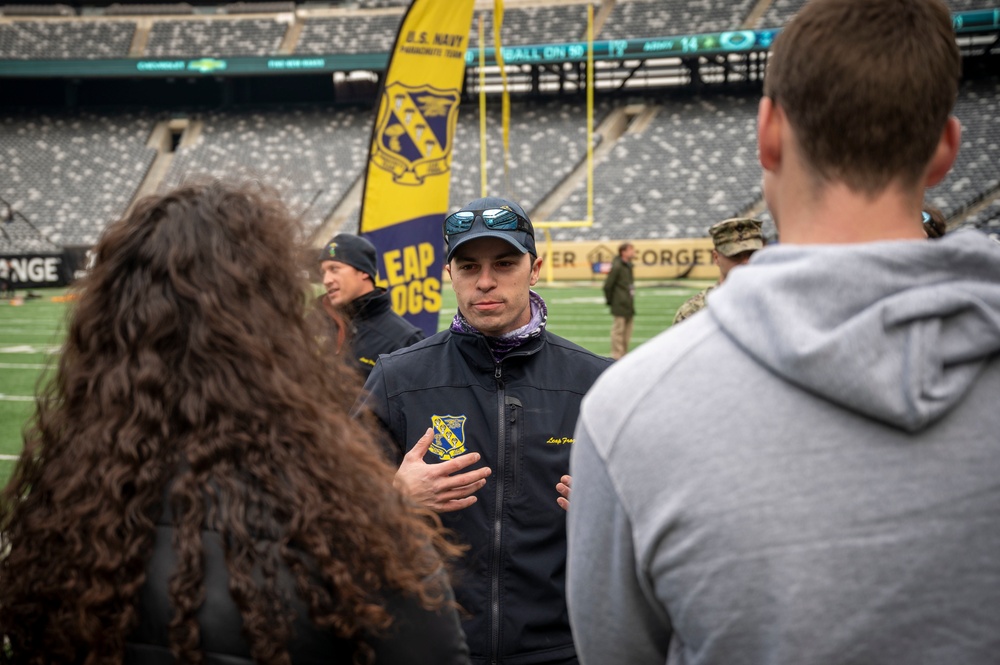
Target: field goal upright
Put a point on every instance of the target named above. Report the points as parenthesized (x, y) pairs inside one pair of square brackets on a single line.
[(545, 225), (589, 220)]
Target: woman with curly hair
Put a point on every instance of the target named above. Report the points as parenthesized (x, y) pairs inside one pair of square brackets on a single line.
[(192, 488)]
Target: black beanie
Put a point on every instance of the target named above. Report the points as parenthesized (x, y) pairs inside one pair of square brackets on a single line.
[(353, 250)]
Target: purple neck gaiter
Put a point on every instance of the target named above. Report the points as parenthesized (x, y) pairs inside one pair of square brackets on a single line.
[(502, 345)]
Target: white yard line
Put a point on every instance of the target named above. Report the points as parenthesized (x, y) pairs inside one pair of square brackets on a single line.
[(26, 348), (16, 398), (22, 366), (9, 458)]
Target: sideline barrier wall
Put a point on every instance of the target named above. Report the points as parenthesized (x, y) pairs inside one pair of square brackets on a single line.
[(654, 259)]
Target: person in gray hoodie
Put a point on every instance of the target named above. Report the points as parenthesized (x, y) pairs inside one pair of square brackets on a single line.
[(810, 472)]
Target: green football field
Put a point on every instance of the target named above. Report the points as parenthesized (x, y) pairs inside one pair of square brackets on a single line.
[(31, 333)]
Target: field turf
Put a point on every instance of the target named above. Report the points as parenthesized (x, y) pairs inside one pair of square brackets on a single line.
[(31, 333)]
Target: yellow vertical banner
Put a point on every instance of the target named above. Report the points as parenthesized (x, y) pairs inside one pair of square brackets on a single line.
[(405, 195)]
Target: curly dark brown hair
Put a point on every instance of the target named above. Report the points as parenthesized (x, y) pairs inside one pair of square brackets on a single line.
[(190, 381)]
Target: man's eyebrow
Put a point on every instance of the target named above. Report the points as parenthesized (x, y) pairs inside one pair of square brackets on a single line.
[(513, 254)]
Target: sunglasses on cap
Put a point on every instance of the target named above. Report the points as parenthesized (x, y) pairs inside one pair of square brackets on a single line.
[(498, 219)]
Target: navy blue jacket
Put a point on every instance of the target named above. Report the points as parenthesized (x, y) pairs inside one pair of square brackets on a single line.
[(519, 415), (376, 329)]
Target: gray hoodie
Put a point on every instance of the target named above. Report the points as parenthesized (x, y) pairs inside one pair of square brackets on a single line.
[(806, 473)]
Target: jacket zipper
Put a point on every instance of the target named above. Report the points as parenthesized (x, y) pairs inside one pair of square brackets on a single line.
[(497, 522), (512, 407)]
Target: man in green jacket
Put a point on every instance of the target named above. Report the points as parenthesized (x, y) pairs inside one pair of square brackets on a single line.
[(619, 292)]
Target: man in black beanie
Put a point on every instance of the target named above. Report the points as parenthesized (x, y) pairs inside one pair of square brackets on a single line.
[(348, 268)]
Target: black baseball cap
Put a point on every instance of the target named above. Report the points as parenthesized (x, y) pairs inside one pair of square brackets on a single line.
[(522, 239)]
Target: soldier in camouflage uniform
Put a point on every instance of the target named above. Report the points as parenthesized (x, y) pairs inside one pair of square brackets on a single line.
[(735, 242), (693, 304)]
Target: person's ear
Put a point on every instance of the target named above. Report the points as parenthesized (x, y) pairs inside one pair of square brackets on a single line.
[(770, 119), (715, 257), (945, 153), (536, 267)]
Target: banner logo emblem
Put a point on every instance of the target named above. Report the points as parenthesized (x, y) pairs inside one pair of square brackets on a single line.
[(415, 132), (449, 436)]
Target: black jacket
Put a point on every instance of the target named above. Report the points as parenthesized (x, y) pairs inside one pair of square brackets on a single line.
[(520, 416), (376, 329), (417, 636)]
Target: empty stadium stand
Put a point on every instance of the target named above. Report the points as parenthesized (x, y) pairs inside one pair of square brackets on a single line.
[(967, 5), (72, 174), (37, 10), (780, 11), (258, 7), (686, 160), (632, 19), (49, 40), (692, 165), (547, 141), (977, 169), (359, 33), (311, 155), (153, 9), (214, 37), (687, 166), (987, 219), (19, 237), (534, 25)]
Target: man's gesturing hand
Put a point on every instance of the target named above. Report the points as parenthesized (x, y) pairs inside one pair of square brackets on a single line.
[(433, 485)]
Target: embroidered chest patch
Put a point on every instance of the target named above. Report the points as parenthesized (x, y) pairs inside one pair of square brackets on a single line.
[(449, 436)]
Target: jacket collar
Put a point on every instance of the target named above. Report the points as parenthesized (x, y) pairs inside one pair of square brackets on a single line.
[(476, 349), (370, 304)]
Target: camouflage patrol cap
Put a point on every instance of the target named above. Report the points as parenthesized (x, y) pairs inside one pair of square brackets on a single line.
[(740, 234)]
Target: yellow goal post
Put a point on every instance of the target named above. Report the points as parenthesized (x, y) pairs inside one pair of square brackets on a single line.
[(589, 221)]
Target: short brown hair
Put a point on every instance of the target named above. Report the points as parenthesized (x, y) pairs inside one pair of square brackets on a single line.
[(867, 86)]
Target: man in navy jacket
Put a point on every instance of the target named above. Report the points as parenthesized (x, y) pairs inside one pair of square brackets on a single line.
[(480, 418)]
